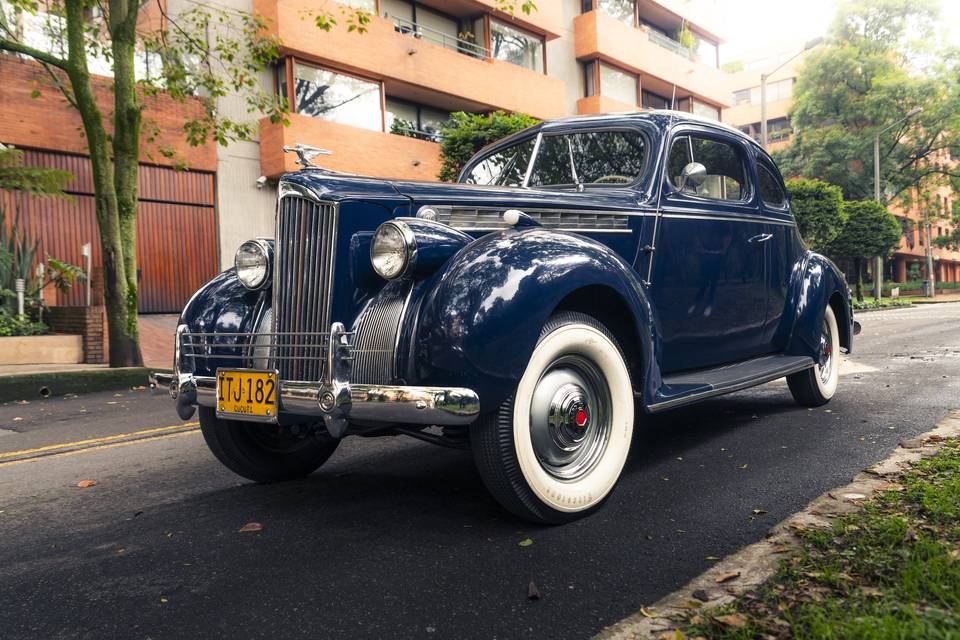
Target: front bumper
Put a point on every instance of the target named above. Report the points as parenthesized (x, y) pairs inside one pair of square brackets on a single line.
[(334, 399)]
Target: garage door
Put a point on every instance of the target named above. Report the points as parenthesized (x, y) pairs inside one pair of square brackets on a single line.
[(176, 229)]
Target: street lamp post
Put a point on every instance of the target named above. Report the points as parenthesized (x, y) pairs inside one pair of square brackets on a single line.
[(763, 88), (878, 261)]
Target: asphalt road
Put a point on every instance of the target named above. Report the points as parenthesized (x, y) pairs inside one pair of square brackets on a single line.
[(394, 538)]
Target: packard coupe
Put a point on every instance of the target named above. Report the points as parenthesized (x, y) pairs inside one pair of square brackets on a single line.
[(581, 274)]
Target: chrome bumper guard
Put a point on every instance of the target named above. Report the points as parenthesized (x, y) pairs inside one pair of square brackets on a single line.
[(334, 398)]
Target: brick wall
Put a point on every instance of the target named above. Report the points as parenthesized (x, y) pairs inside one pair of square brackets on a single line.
[(84, 321)]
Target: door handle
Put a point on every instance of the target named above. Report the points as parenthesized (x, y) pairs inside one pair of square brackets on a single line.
[(762, 237)]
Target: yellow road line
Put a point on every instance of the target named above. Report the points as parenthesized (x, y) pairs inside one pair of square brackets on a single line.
[(110, 445), (95, 441)]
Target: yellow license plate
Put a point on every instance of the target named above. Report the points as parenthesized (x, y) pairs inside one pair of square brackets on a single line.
[(247, 394)]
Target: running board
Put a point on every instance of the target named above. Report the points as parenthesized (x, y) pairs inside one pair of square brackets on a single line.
[(691, 386)]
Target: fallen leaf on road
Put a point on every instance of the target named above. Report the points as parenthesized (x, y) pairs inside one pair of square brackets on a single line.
[(251, 526), (690, 604), (163, 600), (936, 438), (86, 484), (914, 443), (759, 511), (743, 466), (532, 592), (712, 558), (735, 620), (701, 595), (726, 577), (526, 542), (648, 613)]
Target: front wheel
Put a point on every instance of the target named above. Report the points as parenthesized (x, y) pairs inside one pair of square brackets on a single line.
[(815, 386), (263, 452), (554, 450)]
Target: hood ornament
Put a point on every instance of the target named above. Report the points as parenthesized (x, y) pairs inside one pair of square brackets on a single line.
[(306, 153)]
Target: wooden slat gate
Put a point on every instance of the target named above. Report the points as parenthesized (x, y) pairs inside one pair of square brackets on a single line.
[(176, 229)]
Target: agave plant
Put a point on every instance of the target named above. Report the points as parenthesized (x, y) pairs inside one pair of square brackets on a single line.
[(17, 254)]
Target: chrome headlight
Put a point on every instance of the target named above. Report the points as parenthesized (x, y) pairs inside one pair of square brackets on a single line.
[(393, 250), (254, 262)]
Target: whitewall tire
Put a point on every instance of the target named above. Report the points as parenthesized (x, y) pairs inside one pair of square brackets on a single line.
[(815, 386), (555, 449)]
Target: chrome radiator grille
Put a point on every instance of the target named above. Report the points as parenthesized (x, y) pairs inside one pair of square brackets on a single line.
[(302, 284), (376, 336)]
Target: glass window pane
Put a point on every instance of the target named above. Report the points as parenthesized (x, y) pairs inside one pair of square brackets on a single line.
[(589, 79), (437, 27), (400, 115), (592, 157), (332, 96), (608, 157), (770, 191), (367, 5), (431, 120), (622, 10), (617, 84), (706, 110), (397, 9), (707, 52), (506, 167), (653, 101), (515, 46), (725, 179)]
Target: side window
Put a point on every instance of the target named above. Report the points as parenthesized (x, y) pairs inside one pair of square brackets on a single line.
[(506, 167), (589, 158), (770, 191), (725, 177)]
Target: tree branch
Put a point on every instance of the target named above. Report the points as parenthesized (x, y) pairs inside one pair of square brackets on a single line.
[(59, 85), (36, 54)]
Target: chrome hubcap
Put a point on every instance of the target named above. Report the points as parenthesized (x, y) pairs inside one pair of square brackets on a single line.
[(570, 417), (826, 353)]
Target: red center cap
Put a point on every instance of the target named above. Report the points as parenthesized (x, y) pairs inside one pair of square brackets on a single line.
[(581, 417)]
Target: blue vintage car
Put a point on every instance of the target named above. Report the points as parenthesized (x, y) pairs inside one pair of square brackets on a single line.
[(581, 274)]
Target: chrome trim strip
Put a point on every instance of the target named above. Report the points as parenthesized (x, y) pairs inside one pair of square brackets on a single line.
[(738, 386), (698, 215), (731, 218), (285, 189)]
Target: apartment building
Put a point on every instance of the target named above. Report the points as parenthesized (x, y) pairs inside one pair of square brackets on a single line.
[(375, 99), (909, 261)]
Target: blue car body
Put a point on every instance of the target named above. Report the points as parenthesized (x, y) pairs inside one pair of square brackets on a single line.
[(680, 279)]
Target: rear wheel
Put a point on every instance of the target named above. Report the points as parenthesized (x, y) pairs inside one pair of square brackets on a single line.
[(815, 386), (554, 450), (264, 452)]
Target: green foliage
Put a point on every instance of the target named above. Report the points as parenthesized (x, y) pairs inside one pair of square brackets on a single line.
[(869, 231), (818, 208), (883, 59), (14, 326), (464, 134), (39, 181), (733, 66), (401, 127), (685, 37)]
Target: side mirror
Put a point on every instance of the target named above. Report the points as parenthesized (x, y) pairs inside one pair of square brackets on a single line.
[(694, 173)]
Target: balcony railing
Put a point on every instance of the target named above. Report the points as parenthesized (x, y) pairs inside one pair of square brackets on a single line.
[(445, 40), (667, 42), (419, 134)]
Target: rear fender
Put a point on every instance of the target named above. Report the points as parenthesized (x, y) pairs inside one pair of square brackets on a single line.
[(816, 282), (481, 316)]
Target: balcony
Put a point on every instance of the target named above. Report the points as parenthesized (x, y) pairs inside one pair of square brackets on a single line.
[(355, 150), (596, 104), (396, 57), (661, 64)]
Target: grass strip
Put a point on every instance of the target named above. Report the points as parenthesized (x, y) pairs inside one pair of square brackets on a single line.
[(890, 570)]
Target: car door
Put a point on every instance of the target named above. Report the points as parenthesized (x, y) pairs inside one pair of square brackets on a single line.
[(783, 248), (708, 279)]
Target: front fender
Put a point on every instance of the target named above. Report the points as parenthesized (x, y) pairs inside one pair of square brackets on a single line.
[(815, 283), (482, 315), (223, 305)]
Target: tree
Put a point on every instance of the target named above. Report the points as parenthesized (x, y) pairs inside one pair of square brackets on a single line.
[(818, 208), (869, 230), (35, 180), (466, 133), (883, 59)]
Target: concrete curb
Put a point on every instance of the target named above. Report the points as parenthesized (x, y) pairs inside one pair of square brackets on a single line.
[(753, 564), (29, 386)]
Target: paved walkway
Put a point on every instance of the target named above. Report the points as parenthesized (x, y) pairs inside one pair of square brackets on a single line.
[(156, 339)]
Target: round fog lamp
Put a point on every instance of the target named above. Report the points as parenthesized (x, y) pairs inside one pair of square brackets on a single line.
[(253, 263)]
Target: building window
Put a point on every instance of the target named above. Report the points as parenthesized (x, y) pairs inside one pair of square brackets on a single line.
[(337, 97), (590, 78), (619, 85), (708, 52), (623, 10), (780, 90), (741, 97), (651, 100), (705, 110), (414, 120), (515, 46), (369, 6), (586, 6)]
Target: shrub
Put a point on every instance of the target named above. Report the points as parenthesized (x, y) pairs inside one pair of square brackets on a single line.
[(14, 326), (466, 133), (818, 208)]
